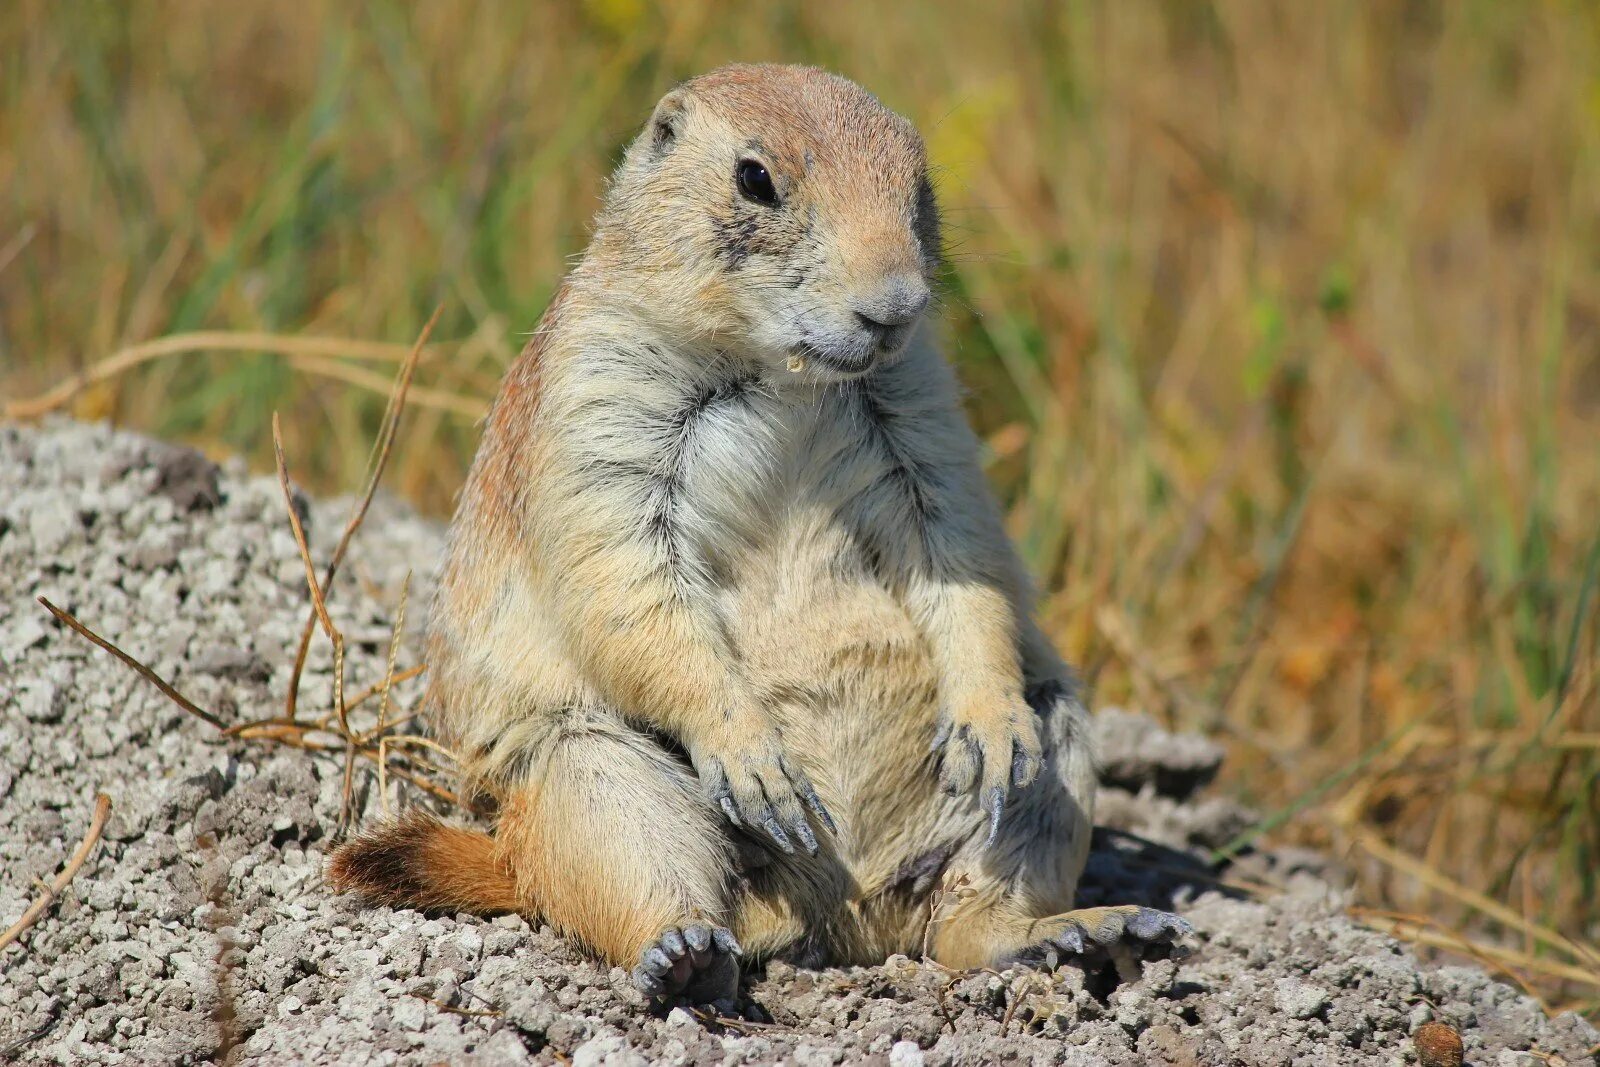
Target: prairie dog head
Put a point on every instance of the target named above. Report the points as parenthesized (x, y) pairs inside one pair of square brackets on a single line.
[(777, 213)]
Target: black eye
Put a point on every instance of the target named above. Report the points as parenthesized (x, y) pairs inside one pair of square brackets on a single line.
[(755, 182)]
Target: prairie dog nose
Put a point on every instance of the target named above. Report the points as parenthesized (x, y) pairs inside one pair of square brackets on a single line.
[(897, 302)]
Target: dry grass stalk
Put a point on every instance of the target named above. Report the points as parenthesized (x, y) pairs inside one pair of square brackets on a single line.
[(320, 356), (382, 449), (944, 1001), (375, 467), (333, 732), (97, 823), (466, 407), (386, 687), (943, 902), (470, 1013), (1017, 994), (352, 704), (320, 609), (1423, 930), (742, 1026), (1375, 847)]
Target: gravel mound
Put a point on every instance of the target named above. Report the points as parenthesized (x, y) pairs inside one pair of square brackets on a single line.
[(201, 927)]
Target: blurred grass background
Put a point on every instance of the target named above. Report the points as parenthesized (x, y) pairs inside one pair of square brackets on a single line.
[(1282, 323)]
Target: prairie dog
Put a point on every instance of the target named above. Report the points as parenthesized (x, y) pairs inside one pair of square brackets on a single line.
[(729, 625)]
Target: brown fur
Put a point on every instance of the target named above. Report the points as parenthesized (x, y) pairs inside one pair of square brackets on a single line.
[(419, 862)]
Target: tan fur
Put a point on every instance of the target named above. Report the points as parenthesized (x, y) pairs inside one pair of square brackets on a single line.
[(681, 565)]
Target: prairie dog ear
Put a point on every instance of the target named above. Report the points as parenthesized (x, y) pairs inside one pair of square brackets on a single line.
[(666, 122)]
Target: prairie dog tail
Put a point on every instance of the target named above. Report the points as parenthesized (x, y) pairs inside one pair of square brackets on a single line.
[(419, 862)]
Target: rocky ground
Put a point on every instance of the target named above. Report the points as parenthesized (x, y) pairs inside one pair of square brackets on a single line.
[(201, 927)]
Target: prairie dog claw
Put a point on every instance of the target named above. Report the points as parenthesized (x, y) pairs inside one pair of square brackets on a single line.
[(992, 750), (764, 791)]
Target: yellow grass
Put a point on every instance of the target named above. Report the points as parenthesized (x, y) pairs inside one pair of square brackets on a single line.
[(1283, 322)]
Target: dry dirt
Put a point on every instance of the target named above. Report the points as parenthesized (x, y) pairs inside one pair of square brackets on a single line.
[(201, 927)]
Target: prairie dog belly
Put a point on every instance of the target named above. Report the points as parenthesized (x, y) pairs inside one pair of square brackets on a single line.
[(808, 609), (845, 672), (808, 613), (824, 641)]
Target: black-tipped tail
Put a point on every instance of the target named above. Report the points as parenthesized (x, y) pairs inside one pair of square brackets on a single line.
[(420, 862)]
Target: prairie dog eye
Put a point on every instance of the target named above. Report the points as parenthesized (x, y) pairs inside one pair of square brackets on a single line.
[(755, 182)]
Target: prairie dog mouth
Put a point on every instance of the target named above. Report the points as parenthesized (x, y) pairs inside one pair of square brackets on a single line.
[(805, 355)]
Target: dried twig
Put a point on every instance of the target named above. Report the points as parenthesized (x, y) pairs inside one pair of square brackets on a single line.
[(9, 1052), (351, 705), (743, 1026), (319, 605), (389, 682), (394, 649), (319, 608), (292, 735), (1019, 993), (68, 620), (97, 823), (422, 742), (471, 1013), (424, 784), (149, 675), (466, 407), (944, 1002), (956, 892)]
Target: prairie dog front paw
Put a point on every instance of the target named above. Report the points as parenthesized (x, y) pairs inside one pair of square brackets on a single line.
[(992, 745), (753, 782)]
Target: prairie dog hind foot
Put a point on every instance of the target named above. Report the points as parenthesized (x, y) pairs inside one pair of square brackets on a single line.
[(697, 962), (1123, 935)]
